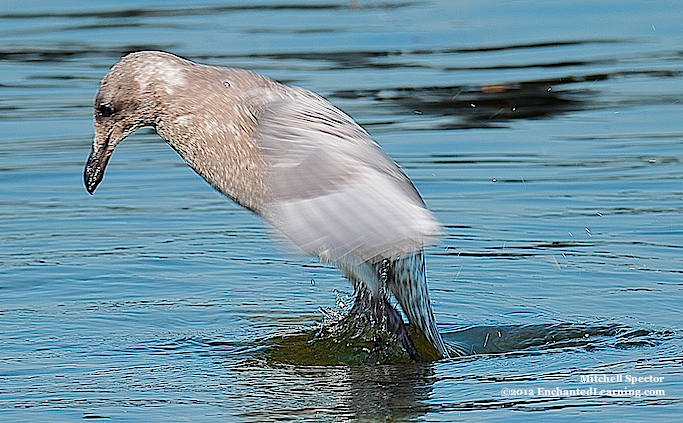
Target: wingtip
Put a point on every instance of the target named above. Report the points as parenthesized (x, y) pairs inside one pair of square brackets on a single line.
[(91, 180)]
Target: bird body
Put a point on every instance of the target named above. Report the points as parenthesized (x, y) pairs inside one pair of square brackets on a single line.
[(291, 157)]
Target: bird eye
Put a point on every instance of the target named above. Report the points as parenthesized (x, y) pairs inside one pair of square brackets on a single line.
[(105, 110)]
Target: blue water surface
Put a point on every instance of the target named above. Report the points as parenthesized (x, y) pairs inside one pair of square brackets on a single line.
[(546, 136)]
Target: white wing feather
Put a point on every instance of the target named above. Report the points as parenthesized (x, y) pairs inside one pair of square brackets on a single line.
[(335, 193)]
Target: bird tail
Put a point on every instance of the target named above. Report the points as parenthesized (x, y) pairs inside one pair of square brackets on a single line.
[(407, 280)]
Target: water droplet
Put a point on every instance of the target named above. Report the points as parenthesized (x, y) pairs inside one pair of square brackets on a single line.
[(494, 180)]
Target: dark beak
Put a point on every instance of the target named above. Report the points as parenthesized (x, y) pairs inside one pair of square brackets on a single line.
[(97, 162)]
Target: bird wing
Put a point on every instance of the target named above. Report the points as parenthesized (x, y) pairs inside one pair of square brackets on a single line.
[(334, 192)]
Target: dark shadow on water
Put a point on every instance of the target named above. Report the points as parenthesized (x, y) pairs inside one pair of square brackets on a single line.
[(330, 378), (531, 339), (318, 347), (453, 106), (490, 105), (183, 11)]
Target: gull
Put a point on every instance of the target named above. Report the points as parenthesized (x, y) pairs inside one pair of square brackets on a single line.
[(292, 158)]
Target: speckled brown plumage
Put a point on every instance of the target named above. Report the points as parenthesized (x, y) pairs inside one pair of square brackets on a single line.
[(286, 154)]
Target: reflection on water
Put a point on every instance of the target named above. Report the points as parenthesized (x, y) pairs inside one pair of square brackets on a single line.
[(403, 390), (358, 392)]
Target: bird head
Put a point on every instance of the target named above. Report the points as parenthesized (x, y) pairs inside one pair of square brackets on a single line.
[(125, 102)]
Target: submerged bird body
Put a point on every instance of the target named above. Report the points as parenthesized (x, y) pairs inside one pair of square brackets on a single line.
[(291, 157)]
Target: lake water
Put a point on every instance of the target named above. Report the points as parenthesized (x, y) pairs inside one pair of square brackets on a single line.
[(546, 136)]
